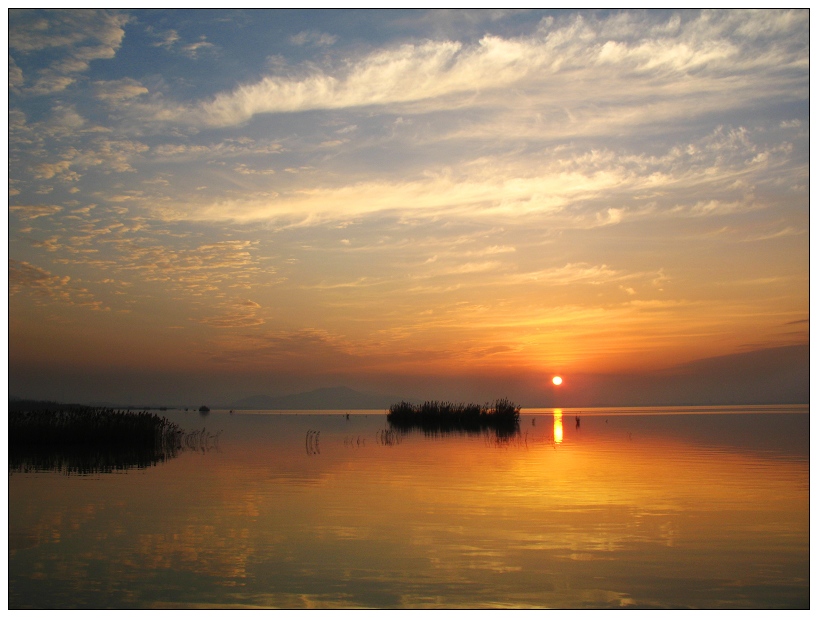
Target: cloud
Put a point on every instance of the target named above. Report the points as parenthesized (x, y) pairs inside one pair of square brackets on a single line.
[(30, 212), (408, 73), (290, 350), (46, 287), (225, 148), (65, 120), (702, 54), (192, 50), (238, 314), (75, 37), (209, 270), (575, 273), (119, 90), (241, 168), (167, 38), (24, 275), (15, 74), (49, 244), (311, 37), (574, 189), (170, 40), (496, 184), (109, 154)]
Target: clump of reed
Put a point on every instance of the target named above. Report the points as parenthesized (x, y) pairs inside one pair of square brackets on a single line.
[(440, 416), (82, 425), (83, 439)]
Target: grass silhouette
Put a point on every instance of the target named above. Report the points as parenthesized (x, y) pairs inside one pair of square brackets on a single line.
[(83, 439), (503, 416), (77, 425)]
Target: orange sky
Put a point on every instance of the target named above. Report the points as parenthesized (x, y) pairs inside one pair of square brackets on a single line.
[(408, 203)]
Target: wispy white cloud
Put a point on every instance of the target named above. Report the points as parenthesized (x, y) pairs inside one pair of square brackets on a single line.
[(569, 274), (166, 38), (193, 50), (312, 37), (781, 233), (119, 90), (224, 148), (172, 41), (241, 168), (700, 54), (574, 188)]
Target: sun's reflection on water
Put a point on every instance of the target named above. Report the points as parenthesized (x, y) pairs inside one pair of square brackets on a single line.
[(429, 520), (557, 426)]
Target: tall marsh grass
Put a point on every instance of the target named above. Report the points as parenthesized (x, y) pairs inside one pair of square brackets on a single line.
[(84, 425), (82, 439), (503, 416)]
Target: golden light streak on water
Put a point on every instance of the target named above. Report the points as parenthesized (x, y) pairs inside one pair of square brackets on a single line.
[(557, 426)]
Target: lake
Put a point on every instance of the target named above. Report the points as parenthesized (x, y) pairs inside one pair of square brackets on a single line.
[(648, 507)]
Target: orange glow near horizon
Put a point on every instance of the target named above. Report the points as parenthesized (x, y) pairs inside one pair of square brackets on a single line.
[(136, 274)]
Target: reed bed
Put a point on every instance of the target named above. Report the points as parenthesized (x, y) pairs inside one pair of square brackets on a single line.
[(83, 439), (502, 416), (80, 425)]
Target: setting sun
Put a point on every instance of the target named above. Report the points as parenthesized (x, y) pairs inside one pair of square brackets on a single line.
[(349, 246), (161, 204)]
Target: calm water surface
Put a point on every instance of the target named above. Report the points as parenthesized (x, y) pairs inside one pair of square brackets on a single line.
[(665, 507)]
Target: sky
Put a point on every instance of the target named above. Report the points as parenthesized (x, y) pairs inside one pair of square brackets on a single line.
[(209, 205)]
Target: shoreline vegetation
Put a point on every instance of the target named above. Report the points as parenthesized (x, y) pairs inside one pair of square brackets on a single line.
[(82, 439), (502, 416)]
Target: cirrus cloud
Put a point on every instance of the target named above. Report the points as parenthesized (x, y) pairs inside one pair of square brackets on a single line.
[(707, 53)]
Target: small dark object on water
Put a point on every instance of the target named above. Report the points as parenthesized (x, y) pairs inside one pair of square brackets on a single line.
[(577, 422), (204, 409)]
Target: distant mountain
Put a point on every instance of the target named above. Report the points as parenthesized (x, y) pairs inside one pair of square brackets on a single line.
[(332, 398)]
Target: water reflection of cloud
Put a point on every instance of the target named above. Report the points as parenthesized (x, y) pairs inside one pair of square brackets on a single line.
[(406, 524)]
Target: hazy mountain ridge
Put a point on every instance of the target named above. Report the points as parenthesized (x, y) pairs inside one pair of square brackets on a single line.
[(777, 375)]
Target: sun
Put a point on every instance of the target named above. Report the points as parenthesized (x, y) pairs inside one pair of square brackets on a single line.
[(556, 380)]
